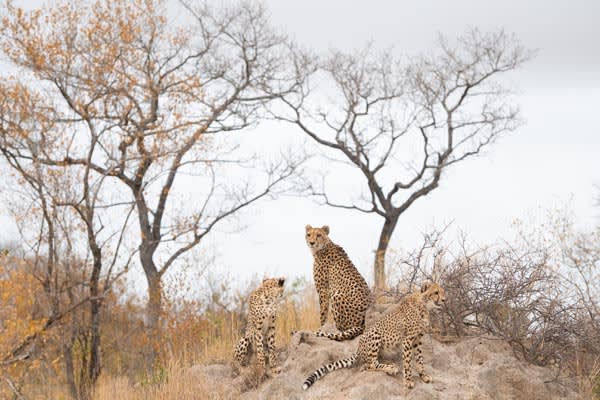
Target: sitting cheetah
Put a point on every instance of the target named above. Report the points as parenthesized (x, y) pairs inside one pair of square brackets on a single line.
[(262, 310), (405, 325), (338, 283)]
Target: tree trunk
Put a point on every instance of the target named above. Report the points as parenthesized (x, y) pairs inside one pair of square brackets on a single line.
[(154, 306), (84, 389), (148, 246), (384, 238), (153, 321), (69, 371), (153, 278), (94, 366), (95, 361)]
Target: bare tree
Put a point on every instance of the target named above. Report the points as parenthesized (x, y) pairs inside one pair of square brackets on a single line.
[(401, 125), (131, 98)]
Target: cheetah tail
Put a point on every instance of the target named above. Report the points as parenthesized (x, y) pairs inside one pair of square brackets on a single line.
[(344, 335), (325, 369)]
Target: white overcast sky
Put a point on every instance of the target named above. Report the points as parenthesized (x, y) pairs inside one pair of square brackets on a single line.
[(553, 160)]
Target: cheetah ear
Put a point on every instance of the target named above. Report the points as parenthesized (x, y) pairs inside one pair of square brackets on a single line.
[(281, 281), (325, 229), (308, 227), (425, 286)]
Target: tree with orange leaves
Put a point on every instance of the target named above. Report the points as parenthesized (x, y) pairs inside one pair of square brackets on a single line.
[(115, 89), (19, 318), (70, 255)]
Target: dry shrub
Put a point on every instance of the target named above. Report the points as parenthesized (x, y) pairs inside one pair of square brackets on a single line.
[(539, 293)]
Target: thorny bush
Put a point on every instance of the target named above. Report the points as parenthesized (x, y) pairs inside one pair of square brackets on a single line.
[(540, 295)]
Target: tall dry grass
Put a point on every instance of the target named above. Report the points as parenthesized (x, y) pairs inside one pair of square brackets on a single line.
[(209, 339), (179, 384), (588, 380)]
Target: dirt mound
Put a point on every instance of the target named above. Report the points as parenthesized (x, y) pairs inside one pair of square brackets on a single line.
[(470, 368)]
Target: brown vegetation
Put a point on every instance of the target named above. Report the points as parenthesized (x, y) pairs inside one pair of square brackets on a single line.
[(506, 294), (539, 293)]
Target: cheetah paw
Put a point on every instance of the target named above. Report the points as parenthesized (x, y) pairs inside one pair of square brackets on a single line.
[(275, 370), (426, 378), (394, 371), (409, 384)]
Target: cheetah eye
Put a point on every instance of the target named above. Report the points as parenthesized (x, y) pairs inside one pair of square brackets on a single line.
[(436, 292)]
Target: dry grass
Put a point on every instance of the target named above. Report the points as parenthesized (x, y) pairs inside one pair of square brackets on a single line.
[(588, 381), (300, 315), (210, 338), (189, 347), (178, 385), (194, 345)]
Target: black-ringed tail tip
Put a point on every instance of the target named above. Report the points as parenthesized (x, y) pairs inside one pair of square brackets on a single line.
[(325, 369)]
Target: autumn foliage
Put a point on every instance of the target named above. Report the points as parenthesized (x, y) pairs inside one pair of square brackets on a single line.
[(196, 330), (20, 317)]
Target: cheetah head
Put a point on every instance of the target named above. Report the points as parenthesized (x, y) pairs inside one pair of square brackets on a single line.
[(433, 295), (274, 286), (317, 238)]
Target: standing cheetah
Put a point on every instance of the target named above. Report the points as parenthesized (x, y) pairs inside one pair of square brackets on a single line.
[(404, 326), (262, 311), (338, 283)]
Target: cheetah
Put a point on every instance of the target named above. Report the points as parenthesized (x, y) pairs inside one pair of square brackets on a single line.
[(338, 284), (404, 326), (262, 311)]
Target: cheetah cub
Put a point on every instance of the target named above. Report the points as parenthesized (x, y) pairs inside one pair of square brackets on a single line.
[(338, 284), (262, 311), (405, 326)]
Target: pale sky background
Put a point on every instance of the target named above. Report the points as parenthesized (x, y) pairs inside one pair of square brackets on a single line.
[(551, 161)]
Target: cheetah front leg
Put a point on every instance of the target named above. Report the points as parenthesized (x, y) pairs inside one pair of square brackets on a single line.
[(259, 347), (323, 306), (407, 361), (271, 347), (322, 286), (420, 367)]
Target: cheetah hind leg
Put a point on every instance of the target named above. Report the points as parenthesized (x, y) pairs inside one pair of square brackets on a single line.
[(389, 369), (343, 335), (272, 353), (371, 359), (242, 351)]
